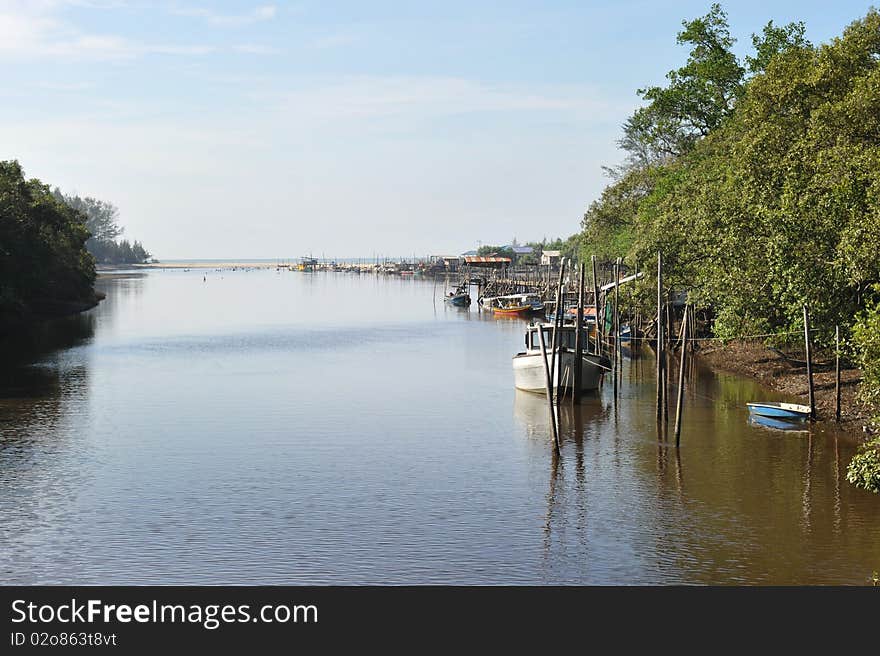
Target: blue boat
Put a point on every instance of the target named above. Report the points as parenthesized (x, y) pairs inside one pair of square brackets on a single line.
[(459, 297), (458, 300), (790, 411)]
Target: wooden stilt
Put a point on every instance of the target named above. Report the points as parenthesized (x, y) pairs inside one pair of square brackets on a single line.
[(659, 338), (680, 399), (809, 350), (554, 343), (837, 374), (596, 306), (549, 386), (579, 340)]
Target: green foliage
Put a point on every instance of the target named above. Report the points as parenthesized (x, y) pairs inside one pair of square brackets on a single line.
[(776, 203), (42, 254), (865, 344), (500, 251), (774, 40), (699, 97), (760, 184), (864, 469)]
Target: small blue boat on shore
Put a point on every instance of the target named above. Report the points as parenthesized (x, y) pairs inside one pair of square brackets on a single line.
[(789, 411)]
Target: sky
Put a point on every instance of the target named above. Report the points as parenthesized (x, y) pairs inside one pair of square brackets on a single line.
[(253, 129)]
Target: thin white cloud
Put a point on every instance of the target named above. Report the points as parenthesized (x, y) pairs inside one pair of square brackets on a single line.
[(255, 49), (256, 15), (35, 30), (336, 40), (426, 97)]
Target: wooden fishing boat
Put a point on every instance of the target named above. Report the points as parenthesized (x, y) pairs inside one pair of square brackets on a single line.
[(528, 366), (515, 305), (512, 310), (790, 411), (458, 300), (459, 297)]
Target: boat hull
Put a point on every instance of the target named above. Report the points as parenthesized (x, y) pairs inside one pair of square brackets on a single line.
[(529, 375), (788, 411), (513, 312), (462, 300)]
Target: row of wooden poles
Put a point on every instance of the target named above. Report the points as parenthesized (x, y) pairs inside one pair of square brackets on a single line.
[(550, 372), (686, 337)]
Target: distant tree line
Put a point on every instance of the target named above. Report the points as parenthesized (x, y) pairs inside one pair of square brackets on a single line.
[(568, 248), (101, 220), (45, 268)]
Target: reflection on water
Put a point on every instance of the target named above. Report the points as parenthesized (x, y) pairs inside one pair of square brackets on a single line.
[(266, 427)]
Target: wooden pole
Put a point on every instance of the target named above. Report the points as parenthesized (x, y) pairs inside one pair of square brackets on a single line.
[(809, 350), (634, 329), (555, 338), (617, 350), (659, 337), (549, 386), (579, 340), (615, 326), (837, 374), (596, 306), (680, 400)]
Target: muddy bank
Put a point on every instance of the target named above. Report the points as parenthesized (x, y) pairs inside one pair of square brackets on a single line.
[(756, 361)]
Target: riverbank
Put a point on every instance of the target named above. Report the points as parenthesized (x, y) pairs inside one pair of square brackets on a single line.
[(754, 360), (41, 310)]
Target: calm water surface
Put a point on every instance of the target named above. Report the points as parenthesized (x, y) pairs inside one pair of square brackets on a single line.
[(266, 427)]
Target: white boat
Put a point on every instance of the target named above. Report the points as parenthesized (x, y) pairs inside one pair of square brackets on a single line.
[(528, 366)]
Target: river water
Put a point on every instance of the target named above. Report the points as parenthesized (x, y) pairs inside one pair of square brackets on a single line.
[(266, 427)]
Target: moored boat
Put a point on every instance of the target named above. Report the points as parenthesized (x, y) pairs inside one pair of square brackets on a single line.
[(513, 304), (528, 366), (512, 310), (780, 410), (459, 297)]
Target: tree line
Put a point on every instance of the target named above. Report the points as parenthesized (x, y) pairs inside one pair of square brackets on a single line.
[(759, 181), (49, 244), (44, 265), (101, 220)]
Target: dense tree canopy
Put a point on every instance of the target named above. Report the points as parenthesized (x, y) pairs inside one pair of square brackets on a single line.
[(777, 201), (43, 260)]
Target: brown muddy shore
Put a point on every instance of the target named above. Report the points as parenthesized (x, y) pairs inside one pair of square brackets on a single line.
[(754, 360)]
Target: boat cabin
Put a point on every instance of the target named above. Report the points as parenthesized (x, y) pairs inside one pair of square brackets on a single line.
[(566, 336)]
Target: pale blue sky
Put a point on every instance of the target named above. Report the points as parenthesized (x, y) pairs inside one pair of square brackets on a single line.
[(274, 129)]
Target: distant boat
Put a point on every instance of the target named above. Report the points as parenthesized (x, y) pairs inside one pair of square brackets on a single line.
[(458, 300), (528, 366), (459, 297), (780, 410)]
